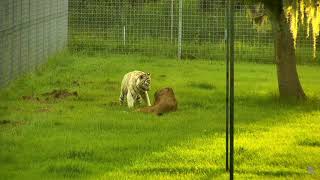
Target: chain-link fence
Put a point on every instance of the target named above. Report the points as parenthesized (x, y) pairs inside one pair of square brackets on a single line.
[(190, 29), (30, 31)]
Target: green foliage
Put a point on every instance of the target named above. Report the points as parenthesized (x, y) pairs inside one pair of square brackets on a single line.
[(91, 137)]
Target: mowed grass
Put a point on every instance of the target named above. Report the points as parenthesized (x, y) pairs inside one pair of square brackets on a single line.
[(89, 136)]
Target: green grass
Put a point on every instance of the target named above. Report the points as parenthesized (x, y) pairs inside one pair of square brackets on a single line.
[(89, 137), (92, 44)]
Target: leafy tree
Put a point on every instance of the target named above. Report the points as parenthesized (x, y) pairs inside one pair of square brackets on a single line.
[(285, 17)]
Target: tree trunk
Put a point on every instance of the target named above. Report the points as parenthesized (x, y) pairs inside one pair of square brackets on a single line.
[(288, 79)]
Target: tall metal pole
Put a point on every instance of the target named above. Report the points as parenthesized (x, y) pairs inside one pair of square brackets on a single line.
[(231, 7), (180, 30), (227, 81), (230, 87)]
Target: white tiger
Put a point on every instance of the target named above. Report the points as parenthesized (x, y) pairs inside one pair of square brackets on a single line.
[(134, 88)]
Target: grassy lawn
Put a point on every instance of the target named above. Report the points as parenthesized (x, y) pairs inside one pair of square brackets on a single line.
[(90, 137)]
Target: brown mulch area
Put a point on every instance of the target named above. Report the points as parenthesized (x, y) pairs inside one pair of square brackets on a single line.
[(55, 94)]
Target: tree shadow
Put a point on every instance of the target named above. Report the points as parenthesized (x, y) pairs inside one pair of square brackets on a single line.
[(258, 109)]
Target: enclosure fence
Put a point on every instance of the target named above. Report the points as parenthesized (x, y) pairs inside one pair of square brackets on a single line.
[(33, 30), (186, 29), (30, 32)]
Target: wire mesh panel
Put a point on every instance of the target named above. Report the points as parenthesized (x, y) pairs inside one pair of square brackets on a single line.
[(30, 31), (147, 27), (253, 40), (165, 27)]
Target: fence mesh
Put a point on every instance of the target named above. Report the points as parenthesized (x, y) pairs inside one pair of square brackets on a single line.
[(191, 29), (30, 32)]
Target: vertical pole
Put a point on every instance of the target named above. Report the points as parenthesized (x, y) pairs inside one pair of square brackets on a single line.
[(29, 34), (123, 23), (12, 42), (171, 37), (230, 87), (180, 30), (231, 22), (227, 81), (124, 35), (20, 41), (44, 10), (66, 23)]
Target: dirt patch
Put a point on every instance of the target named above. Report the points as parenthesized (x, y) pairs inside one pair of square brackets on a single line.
[(30, 98), (55, 94), (60, 94)]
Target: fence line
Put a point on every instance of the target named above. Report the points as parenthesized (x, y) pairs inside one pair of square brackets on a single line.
[(190, 29), (33, 30), (30, 32)]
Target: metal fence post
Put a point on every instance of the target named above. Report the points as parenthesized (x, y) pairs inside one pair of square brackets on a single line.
[(171, 31), (230, 87), (124, 23), (124, 35), (227, 82), (231, 26), (180, 30)]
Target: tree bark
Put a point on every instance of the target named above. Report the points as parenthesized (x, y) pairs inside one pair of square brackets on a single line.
[(288, 79)]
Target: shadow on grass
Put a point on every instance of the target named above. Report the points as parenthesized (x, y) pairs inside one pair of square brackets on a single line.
[(273, 173), (69, 170), (309, 142), (271, 107)]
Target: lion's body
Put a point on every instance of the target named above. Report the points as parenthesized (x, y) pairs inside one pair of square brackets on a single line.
[(134, 88), (165, 102)]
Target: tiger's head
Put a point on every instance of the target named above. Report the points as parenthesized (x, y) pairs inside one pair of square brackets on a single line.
[(144, 82)]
